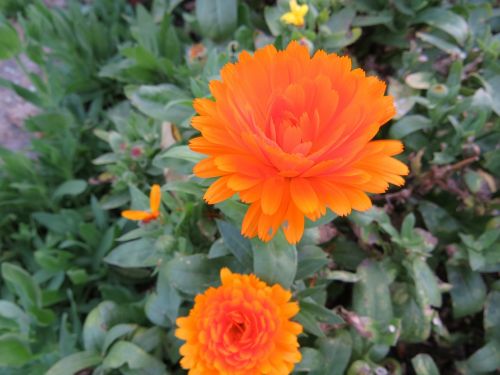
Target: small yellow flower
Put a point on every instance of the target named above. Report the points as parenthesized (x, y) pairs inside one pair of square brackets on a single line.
[(296, 14)]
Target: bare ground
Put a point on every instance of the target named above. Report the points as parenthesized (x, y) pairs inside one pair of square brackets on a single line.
[(13, 109)]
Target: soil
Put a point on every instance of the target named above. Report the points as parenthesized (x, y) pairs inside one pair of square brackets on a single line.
[(14, 109)]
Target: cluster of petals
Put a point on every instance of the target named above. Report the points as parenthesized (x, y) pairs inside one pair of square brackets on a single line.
[(296, 14), (293, 135), (242, 327)]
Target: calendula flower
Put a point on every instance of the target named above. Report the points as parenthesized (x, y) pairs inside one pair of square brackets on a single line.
[(196, 52), (292, 134), (296, 14), (154, 205), (242, 327)]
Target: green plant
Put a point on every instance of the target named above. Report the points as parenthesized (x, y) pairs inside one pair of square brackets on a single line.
[(410, 285)]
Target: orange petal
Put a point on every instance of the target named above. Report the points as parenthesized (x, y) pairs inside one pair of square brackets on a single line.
[(251, 220), (155, 198), (218, 191), (359, 200), (272, 193), (136, 215), (294, 225), (303, 194), (207, 169)]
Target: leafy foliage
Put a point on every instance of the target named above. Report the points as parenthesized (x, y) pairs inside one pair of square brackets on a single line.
[(410, 285)]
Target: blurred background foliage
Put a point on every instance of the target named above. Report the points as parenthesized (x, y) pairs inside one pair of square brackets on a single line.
[(410, 286)]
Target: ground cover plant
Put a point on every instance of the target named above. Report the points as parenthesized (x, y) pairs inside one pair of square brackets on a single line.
[(144, 232)]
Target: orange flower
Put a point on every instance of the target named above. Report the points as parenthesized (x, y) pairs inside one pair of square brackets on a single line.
[(154, 204), (242, 327), (292, 134)]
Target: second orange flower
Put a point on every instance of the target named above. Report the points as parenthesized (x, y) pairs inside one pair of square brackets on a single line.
[(292, 135)]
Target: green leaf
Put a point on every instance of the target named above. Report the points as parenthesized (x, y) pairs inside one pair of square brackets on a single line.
[(10, 44), (320, 313), (23, 92), (408, 125), (491, 315), (182, 153), (425, 282), (97, 324), (342, 39), (344, 276), (43, 317), (138, 199), (217, 18), (134, 254), (455, 76), (14, 350), (441, 44), (415, 318), (22, 284), (71, 187), (485, 359), (423, 364), (240, 246), (125, 353), (233, 209), (149, 339), (473, 180), (347, 254), (382, 333), (336, 351), (493, 88), (309, 322), (469, 291), (371, 295), (162, 306), (64, 222), (10, 311), (74, 363), (78, 276), (218, 249), (188, 187), (115, 333), (437, 219), (310, 259), (164, 102), (404, 97), (379, 18), (272, 16), (311, 360), (445, 20), (275, 261), (359, 367), (419, 80), (193, 274)]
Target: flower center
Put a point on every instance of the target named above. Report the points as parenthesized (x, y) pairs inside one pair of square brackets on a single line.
[(236, 330)]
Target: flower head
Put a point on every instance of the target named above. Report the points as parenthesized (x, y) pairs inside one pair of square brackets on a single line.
[(242, 327), (196, 52), (296, 14), (136, 152), (154, 204), (292, 134)]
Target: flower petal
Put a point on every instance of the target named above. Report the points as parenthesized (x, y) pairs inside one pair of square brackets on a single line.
[(155, 198), (303, 194), (136, 215)]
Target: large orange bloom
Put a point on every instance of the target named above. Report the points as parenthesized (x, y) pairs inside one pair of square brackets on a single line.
[(242, 327), (293, 135)]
